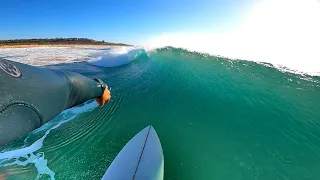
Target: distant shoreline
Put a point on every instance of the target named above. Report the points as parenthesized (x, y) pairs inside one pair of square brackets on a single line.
[(58, 45), (56, 42)]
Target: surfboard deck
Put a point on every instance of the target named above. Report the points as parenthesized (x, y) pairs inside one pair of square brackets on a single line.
[(140, 159)]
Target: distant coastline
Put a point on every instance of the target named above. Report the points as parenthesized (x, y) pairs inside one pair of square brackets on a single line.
[(23, 43)]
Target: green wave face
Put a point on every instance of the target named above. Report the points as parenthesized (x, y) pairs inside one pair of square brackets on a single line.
[(216, 118)]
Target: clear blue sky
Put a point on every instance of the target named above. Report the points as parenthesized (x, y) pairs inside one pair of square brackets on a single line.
[(116, 21)]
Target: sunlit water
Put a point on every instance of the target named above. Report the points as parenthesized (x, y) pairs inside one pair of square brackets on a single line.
[(216, 119)]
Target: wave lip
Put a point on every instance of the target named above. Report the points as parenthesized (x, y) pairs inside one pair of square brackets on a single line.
[(116, 56)]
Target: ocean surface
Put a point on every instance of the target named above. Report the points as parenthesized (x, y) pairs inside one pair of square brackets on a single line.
[(217, 118)]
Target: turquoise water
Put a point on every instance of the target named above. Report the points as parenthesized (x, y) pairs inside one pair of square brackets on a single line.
[(216, 119)]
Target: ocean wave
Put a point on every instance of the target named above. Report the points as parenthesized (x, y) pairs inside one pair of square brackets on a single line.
[(287, 39), (182, 50)]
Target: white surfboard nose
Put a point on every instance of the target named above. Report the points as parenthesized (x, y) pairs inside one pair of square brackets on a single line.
[(140, 159)]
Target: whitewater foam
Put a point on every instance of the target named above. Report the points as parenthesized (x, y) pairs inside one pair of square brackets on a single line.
[(116, 57), (99, 56)]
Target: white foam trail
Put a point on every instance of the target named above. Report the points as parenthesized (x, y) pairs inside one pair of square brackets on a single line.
[(29, 152), (280, 32), (39, 162)]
